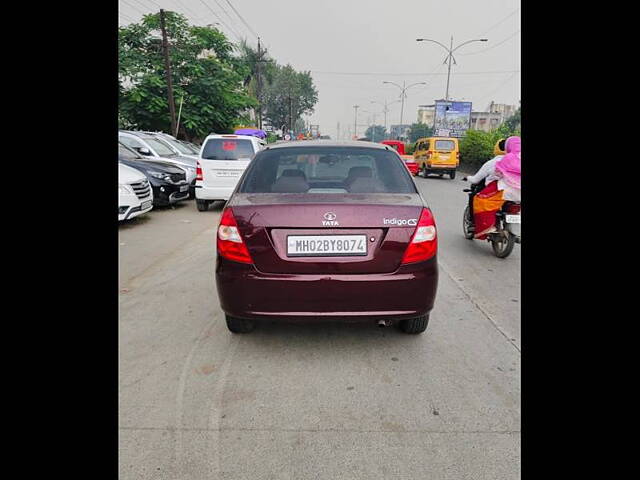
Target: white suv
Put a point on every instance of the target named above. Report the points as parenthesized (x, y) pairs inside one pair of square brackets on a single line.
[(223, 159), (135, 196)]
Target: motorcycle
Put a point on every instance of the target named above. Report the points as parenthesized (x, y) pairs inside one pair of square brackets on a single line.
[(508, 222)]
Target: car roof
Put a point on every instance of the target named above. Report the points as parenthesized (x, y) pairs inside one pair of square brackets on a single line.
[(328, 143)]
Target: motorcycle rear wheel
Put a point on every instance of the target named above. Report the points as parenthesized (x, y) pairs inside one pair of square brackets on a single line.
[(467, 223), (502, 244)]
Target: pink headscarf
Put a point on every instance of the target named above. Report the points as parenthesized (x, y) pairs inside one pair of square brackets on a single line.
[(509, 165)]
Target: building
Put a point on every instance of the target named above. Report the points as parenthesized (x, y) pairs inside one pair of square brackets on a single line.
[(427, 114), (485, 121), (505, 110)]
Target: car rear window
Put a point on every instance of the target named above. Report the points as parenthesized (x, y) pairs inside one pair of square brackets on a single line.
[(327, 170), (228, 149), (446, 145)]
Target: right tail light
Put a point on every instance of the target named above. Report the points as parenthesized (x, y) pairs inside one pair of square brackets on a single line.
[(424, 242)]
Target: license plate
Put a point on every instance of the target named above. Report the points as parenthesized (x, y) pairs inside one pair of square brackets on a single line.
[(184, 188), (227, 173), (326, 245), (145, 205), (513, 218)]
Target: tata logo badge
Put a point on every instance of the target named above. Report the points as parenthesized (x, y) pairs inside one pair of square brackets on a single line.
[(330, 220)]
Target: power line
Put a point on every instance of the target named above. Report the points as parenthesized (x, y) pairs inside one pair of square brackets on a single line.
[(493, 46), (221, 21), (226, 13), (483, 97), (500, 22), (411, 73), (126, 17), (242, 19), (132, 6), (143, 5)]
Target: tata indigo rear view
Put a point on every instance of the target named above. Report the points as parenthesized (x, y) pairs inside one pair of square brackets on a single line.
[(320, 230)]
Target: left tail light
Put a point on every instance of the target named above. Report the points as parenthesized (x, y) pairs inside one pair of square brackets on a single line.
[(230, 243), (198, 171), (424, 242)]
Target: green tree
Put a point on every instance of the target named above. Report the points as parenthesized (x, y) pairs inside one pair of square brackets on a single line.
[(289, 91), (476, 147), (205, 73), (375, 133), (419, 130)]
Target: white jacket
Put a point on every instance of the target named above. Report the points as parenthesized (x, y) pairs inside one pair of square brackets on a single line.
[(488, 173)]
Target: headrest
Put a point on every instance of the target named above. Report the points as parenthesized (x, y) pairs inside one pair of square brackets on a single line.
[(293, 172), (360, 172), (290, 185), (365, 185)]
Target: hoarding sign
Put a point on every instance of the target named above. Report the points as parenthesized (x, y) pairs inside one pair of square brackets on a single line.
[(456, 119)]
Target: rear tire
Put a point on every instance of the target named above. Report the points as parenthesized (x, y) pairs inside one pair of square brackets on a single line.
[(502, 244), (239, 325), (423, 171), (415, 325), (452, 175), (203, 205), (467, 222)]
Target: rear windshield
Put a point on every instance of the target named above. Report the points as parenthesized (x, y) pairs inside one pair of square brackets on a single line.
[(446, 145), (228, 149), (327, 170)]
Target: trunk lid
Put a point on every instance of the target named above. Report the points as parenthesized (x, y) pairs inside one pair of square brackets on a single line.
[(385, 222)]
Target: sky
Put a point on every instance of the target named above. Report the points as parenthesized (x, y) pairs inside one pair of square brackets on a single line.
[(352, 46)]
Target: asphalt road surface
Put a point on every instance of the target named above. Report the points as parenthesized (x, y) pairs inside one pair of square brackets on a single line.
[(314, 402)]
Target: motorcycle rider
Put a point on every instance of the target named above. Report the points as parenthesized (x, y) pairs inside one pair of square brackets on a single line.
[(502, 179)]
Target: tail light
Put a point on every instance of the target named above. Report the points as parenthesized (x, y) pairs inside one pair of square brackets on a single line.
[(429, 154), (230, 243), (198, 171), (424, 242), (457, 155), (513, 208)]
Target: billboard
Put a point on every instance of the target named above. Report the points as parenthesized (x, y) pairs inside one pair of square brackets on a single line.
[(453, 121)]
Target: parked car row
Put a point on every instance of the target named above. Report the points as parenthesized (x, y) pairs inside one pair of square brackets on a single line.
[(176, 170)]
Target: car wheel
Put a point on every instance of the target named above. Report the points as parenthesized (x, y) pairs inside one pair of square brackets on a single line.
[(239, 325), (203, 205), (452, 175), (415, 325), (423, 171)]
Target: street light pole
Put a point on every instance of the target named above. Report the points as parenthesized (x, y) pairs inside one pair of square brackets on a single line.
[(403, 94), (355, 121), (450, 58)]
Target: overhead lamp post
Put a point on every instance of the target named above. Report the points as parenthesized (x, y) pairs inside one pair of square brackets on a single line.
[(450, 56), (403, 93)]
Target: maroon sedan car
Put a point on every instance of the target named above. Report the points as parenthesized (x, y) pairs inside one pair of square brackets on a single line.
[(321, 230)]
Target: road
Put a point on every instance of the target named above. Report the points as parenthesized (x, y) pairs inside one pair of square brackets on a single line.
[(315, 402)]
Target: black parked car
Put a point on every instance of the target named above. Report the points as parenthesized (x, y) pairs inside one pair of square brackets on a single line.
[(169, 183)]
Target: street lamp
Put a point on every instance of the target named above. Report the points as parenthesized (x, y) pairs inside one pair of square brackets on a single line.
[(403, 94), (450, 56)]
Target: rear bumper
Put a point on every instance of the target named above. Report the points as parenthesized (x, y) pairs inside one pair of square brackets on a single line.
[(213, 193), (245, 292)]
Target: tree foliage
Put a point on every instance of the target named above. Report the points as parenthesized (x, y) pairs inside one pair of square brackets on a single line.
[(476, 147), (419, 130), (289, 91), (205, 74), (379, 131)]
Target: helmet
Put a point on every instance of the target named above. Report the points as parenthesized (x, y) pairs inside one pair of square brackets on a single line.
[(499, 147)]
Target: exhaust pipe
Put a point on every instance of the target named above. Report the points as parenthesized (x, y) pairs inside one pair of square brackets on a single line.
[(383, 323)]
